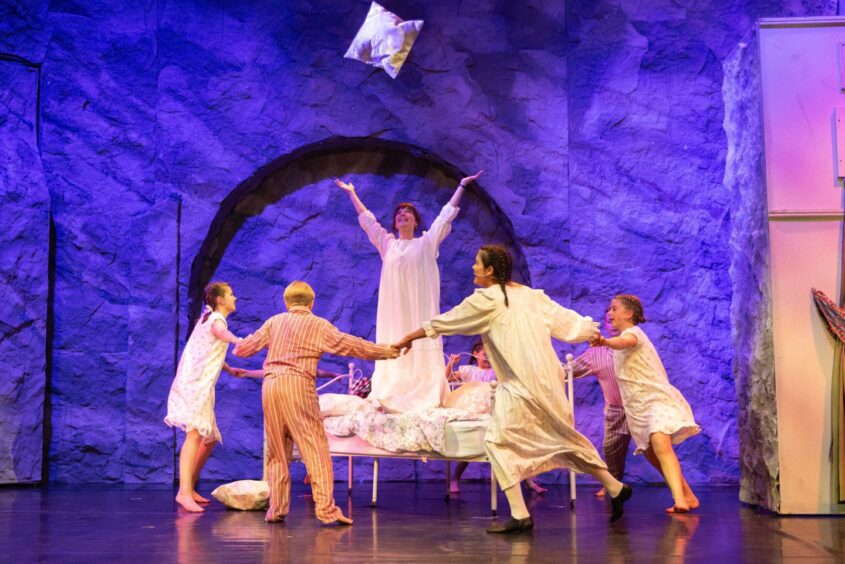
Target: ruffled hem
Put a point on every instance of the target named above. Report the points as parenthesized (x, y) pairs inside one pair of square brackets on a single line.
[(679, 435), (207, 432)]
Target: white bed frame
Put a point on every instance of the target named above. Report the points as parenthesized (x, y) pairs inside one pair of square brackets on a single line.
[(351, 377)]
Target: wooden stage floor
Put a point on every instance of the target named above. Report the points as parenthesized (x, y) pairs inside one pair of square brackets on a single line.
[(413, 523)]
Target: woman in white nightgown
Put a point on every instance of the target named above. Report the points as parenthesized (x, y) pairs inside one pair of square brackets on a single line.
[(532, 428), (409, 293)]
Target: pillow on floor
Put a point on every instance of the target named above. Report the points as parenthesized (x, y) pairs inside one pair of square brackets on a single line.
[(246, 495), (332, 405), (384, 40)]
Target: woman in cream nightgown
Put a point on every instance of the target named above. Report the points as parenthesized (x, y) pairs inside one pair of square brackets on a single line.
[(532, 428), (409, 293)]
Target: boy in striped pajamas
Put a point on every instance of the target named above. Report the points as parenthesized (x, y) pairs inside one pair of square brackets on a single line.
[(295, 341), (599, 361)]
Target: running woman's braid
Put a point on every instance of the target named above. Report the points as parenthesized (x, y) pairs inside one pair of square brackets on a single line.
[(500, 259)]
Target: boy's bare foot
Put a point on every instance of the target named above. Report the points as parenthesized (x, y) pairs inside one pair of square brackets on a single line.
[(188, 503), (199, 499), (342, 520), (601, 493), (453, 487)]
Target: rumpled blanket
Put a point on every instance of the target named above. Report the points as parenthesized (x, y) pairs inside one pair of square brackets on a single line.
[(412, 431)]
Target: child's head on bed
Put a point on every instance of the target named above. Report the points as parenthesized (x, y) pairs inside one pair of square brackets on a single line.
[(299, 293), (479, 356)]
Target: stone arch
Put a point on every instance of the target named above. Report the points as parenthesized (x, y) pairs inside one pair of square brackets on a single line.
[(323, 160)]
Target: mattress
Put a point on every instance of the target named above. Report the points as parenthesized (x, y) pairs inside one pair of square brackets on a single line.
[(464, 440)]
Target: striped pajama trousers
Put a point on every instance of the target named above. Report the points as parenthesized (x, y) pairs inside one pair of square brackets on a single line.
[(292, 415), (616, 441)]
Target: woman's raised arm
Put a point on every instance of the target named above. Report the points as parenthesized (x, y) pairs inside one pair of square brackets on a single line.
[(349, 188)]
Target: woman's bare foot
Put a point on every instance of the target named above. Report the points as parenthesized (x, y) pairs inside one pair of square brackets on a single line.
[(199, 499), (678, 508), (454, 487), (601, 493), (535, 487), (188, 504)]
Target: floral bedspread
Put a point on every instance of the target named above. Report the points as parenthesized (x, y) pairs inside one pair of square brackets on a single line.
[(413, 431)]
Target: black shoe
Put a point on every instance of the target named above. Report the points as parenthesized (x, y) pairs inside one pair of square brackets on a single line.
[(512, 526), (618, 501)]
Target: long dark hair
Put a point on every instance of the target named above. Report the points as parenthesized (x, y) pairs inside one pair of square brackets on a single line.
[(477, 346), (209, 296), (499, 258)]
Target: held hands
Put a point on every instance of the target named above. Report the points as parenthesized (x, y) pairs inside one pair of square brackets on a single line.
[(391, 352), (403, 346), (236, 372), (466, 180), (346, 186), (598, 341)]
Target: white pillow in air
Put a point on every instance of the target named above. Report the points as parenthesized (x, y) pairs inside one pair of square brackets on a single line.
[(384, 40)]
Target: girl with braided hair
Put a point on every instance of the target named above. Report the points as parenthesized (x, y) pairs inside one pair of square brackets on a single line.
[(409, 293), (658, 416), (532, 428), (190, 405)]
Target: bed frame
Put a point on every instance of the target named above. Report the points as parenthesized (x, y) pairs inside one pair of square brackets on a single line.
[(355, 373)]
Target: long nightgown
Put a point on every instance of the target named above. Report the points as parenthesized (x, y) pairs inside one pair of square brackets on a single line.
[(409, 293), (532, 429)]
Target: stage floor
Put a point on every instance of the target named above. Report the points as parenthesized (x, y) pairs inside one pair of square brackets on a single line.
[(413, 523)]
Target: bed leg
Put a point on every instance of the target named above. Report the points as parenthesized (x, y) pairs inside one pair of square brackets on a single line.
[(375, 482), (349, 478), (448, 475), (494, 502), (572, 492)]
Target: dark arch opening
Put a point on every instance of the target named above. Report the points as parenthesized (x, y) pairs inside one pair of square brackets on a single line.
[(337, 156)]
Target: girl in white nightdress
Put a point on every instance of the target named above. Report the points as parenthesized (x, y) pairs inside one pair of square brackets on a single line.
[(409, 293), (658, 416), (532, 428), (190, 405)]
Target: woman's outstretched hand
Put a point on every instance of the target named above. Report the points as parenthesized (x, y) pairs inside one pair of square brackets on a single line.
[(466, 180), (347, 186)]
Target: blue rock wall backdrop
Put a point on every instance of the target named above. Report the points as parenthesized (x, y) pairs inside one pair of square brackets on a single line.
[(601, 127)]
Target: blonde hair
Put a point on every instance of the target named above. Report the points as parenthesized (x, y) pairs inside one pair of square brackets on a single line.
[(299, 293)]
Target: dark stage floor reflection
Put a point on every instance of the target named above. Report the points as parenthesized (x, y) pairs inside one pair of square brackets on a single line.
[(413, 523)]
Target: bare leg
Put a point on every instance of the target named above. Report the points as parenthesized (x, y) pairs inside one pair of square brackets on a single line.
[(203, 452), (187, 459), (692, 500), (661, 444), (459, 471)]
